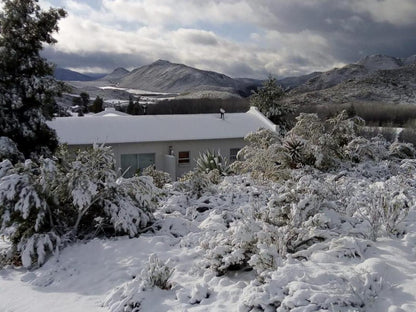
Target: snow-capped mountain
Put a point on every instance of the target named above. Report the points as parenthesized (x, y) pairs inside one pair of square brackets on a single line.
[(363, 68), (164, 76), (379, 78), (389, 86)]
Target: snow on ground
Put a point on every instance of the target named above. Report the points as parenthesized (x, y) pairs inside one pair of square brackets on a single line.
[(344, 273)]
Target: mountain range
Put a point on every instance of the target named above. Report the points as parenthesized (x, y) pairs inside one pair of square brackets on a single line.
[(373, 78)]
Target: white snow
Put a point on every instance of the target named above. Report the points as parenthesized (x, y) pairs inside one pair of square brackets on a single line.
[(154, 128), (133, 91), (339, 274)]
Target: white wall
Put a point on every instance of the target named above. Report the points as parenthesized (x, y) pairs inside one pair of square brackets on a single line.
[(160, 149)]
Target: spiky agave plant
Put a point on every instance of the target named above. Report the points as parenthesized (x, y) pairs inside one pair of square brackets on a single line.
[(209, 161)]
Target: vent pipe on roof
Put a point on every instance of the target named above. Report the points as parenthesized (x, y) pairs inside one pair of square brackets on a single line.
[(222, 112), (144, 107)]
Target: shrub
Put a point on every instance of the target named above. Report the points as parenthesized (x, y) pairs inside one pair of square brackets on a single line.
[(310, 142), (195, 183), (262, 235), (209, 161), (128, 298), (156, 274), (49, 203), (160, 178), (260, 156)]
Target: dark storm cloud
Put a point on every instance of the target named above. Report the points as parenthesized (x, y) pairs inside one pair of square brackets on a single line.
[(352, 29)]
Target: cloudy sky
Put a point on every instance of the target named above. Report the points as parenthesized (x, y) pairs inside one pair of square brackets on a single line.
[(241, 38)]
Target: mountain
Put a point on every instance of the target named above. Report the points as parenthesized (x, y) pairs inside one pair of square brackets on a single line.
[(164, 76), (384, 86), (64, 74), (380, 62), (361, 69), (116, 75), (292, 82)]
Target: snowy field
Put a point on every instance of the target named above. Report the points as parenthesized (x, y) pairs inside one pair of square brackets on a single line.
[(210, 243)]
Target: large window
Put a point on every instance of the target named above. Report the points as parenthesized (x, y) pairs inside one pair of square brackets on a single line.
[(184, 158), (131, 163), (233, 154)]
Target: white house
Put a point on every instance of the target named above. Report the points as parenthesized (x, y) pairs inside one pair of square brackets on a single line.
[(171, 142)]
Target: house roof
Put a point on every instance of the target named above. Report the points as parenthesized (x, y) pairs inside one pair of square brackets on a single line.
[(156, 128)]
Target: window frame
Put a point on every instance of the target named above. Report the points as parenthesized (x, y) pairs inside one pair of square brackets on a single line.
[(184, 161)]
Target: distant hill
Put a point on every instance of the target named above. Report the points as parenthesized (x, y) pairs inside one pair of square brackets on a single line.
[(64, 74), (379, 79), (293, 82), (164, 76), (361, 69), (116, 75)]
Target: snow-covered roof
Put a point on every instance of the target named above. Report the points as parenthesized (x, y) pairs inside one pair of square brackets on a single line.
[(156, 128)]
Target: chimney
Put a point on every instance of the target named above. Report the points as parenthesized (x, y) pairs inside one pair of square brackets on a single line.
[(222, 113)]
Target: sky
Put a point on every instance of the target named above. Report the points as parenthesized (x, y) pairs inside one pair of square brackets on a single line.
[(240, 38)]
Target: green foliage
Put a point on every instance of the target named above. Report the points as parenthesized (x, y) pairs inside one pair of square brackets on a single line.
[(85, 101), (134, 107), (160, 178), (209, 161), (268, 100), (26, 82), (97, 106), (195, 183), (311, 142)]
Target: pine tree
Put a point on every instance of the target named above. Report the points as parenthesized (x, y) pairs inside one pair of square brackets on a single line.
[(268, 100), (26, 82), (97, 105), (85, 99)]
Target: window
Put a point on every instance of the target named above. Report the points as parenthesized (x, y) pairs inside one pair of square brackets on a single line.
[(131, 163), (184, 158), (233, 154)]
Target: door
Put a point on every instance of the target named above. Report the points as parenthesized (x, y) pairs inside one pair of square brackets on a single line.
[(135, 163)]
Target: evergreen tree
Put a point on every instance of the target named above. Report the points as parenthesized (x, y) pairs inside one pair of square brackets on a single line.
[(26, 81), (97, 105), (85, 100), (134, 107), (268, 100)]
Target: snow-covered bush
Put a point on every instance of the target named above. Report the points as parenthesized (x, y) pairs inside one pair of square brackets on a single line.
[(323, 141), (49, 202), (8, 150), (402, 150), (301, 286), (156, 274), (263, 234), (129, 296), (196, 183), (361, 149), (384, 204), (311, 142), (260, 156), (160, 178)]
